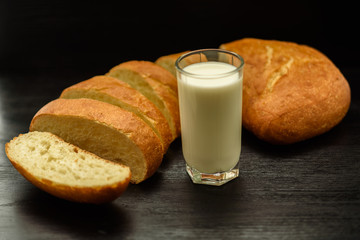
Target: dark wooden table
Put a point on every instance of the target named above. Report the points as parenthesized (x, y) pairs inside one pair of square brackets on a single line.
[(309, 190)]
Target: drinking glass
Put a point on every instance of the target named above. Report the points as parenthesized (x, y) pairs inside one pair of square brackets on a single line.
[(210, 100)]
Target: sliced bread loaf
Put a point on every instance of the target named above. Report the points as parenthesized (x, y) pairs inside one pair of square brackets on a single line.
[(156, 92), (105, 130), (152, 70), (168, 62), (119, 93), (65, 170)]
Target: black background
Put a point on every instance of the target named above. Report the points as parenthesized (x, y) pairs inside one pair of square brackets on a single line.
[(92, 36), (308, 190)]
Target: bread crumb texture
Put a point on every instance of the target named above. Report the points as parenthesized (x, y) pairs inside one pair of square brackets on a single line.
[(105, 130), (48, 157)]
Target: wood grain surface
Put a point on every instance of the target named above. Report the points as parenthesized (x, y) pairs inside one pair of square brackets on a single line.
[(308, 190)]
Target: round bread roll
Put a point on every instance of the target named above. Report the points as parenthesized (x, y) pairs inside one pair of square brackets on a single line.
[(291, 92)]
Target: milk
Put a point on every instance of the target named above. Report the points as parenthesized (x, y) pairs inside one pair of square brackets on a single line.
[(210, 112)]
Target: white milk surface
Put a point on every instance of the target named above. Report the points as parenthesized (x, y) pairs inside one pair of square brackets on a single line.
[(210, 113)]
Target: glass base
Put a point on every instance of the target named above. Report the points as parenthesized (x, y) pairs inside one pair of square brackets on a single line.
[(215, 179)]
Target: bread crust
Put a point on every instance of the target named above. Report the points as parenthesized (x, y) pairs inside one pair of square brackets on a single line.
[(171, 102), (113, 117), (168, 61), (291, 92), (94, 195), (162, 92), (152, 70), (121, 91)]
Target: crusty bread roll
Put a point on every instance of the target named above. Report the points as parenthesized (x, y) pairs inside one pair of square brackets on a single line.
[(65, 170), (105, 130), (156, 92), (168, 61), (291, 92), (152, 70), (119, 93)]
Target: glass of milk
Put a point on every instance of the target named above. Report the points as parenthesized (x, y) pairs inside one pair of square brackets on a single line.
[(210, 99)]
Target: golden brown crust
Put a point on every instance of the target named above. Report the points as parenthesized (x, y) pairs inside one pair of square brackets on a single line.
[(159, 90), (152, 70), (121, 91), (291, 92), (113, 117), (171, 102), (95, 195), (173, 56), (168, 61)]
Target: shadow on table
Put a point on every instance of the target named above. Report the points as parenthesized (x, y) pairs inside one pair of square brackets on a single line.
[(43, 216), (338, 136)]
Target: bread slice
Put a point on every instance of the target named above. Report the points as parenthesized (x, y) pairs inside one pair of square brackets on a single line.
[(291, 92), (105, 130), (156, 92), (168, 61), (119, 93), (65, 170), (154, 71)]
